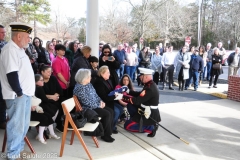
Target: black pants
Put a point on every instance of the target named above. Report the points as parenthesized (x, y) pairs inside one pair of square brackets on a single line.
[(156, 77), (2, 107), (161, 77), (200, 76), (181, 81), (106, 115), (215, 80), (170, 71)]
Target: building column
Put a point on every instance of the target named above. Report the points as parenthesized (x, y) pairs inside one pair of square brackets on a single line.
[(92, 35)]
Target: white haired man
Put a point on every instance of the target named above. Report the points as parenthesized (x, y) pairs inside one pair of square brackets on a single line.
[(234, 62), (209, 60), (18, 85)]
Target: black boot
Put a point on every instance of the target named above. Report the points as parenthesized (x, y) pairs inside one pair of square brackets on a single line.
[(179, 85), (183, 84), (170, 87), (153, 131)]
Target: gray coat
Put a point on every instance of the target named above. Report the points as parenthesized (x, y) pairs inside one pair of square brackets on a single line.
[(179, 62)]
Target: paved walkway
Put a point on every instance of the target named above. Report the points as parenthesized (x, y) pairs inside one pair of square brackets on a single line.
[(210, 125)]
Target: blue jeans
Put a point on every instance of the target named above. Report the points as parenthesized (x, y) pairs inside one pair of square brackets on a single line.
[(120, 71), (2, 107), (209, 66), (130, 70), (18, 111), (134, 75), (192, 75), (195, 76), (204, 72), (118, 111)]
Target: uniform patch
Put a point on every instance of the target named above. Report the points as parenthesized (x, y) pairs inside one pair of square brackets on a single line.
[(142, 93)]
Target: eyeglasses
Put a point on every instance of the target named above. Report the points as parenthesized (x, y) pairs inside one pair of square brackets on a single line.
[(106, 52), (100, 47), (36, 42)]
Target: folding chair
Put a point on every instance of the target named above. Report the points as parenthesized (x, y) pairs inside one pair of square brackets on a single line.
[(32, 124), (68, 106), (79, 108)]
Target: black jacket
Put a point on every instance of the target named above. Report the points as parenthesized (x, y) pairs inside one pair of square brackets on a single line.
[(112, 68), (231, 58), (79, 61), (103, 88), (216, 59)]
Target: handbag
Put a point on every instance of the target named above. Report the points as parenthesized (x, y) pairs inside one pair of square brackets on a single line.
[(217, 66), (91, 116), (78, 119), (187, 66)]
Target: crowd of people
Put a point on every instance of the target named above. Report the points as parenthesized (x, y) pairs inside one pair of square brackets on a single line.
[(64, 70), (103, 84)]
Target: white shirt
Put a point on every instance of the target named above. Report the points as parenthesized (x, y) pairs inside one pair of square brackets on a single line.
[(132, 59), (168, 58), (13, 59)]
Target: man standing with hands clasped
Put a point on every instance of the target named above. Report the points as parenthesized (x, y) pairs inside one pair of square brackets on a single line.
[(18, 85)]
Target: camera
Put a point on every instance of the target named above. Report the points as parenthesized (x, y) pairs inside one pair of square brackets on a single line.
[(110, 58)]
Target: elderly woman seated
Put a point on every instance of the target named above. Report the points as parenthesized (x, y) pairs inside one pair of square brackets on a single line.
[(104, 86), (88, 98)]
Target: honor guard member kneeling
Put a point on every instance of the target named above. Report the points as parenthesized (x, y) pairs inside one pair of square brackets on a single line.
[(146, 105)]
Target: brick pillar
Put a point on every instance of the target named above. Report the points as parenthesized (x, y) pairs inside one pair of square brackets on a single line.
[(234, 88)]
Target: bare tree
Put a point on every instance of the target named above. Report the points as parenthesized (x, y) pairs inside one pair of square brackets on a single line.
[(62, 25)]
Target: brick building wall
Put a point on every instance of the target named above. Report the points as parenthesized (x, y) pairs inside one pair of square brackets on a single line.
[(234, 88)]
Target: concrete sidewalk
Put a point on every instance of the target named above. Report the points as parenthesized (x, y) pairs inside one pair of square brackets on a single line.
[(220, 91)]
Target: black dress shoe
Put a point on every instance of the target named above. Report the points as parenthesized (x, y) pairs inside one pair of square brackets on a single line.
[(3, 125), (107, 139), (171, 88), (153, 131), (115, 132)]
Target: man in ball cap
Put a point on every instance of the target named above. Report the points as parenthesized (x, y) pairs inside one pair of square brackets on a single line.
[(18, 85), (147, 100)]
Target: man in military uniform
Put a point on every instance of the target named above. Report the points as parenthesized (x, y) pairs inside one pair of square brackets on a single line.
[(147, 100)]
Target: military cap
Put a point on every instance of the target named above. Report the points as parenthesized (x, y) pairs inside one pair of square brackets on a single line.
[(20, 27), (145, 71)]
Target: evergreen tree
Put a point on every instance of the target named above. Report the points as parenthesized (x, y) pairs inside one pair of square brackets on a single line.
[(36, 11)]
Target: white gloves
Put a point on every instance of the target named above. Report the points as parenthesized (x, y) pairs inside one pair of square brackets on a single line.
[(118, 96), (147, 112)]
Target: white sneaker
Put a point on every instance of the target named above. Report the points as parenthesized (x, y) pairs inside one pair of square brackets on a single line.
[(54, 136)]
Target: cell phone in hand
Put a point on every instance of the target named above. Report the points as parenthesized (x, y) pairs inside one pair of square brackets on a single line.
[(110, 58)]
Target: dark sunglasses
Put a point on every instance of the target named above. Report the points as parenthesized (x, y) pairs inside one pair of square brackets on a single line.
[(106, 52)]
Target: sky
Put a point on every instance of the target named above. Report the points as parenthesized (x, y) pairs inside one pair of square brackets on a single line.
[(77, 8), (74, 8)]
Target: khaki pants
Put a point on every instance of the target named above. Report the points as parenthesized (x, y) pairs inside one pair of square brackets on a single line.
[(232, 70)]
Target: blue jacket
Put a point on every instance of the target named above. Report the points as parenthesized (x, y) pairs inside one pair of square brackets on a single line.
[(120, 55), (196, 63)]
